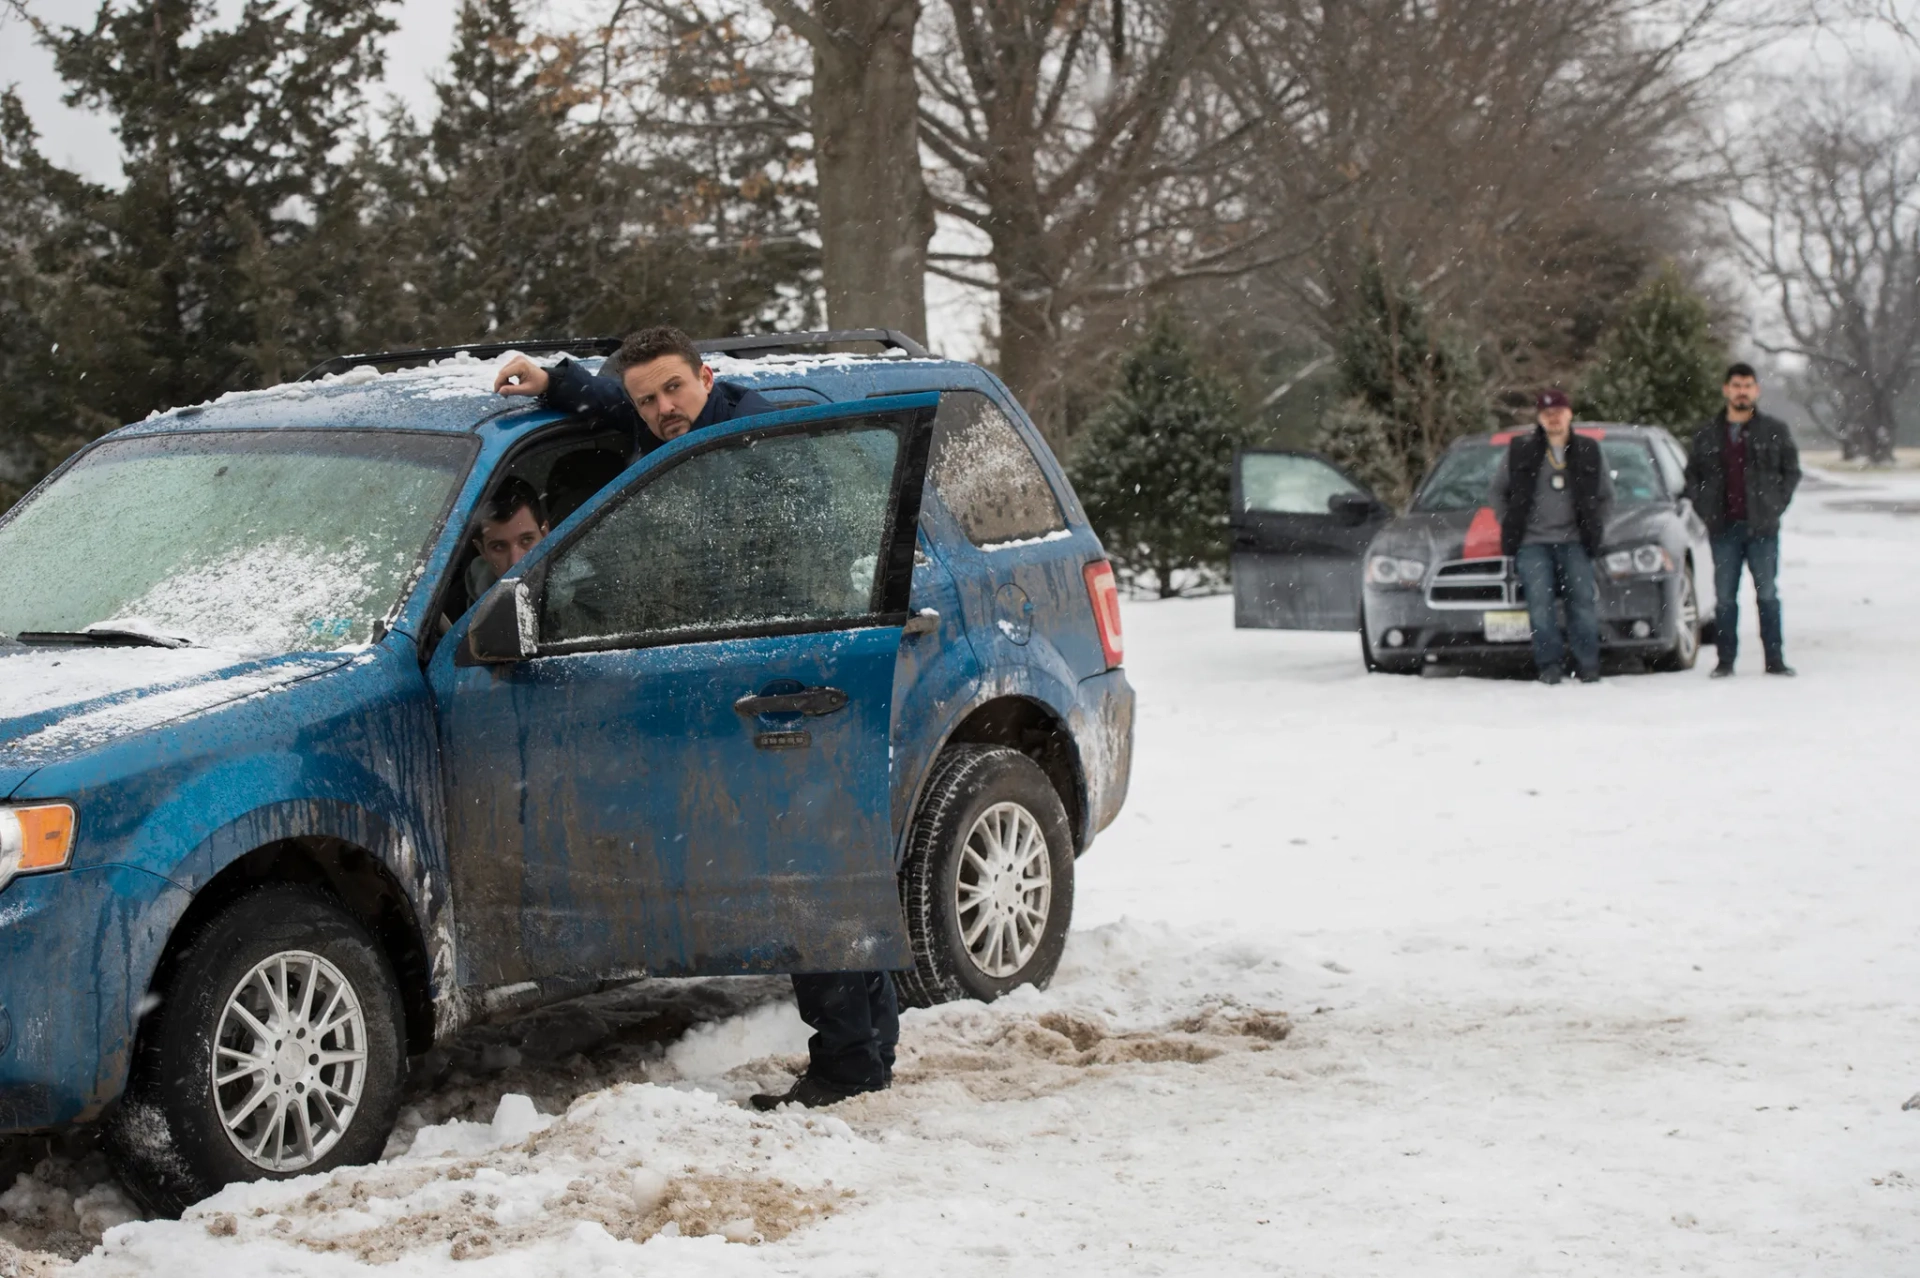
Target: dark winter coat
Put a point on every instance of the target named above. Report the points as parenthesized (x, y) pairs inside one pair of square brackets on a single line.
[(1585, 471), (1773, 472), (575, 390)]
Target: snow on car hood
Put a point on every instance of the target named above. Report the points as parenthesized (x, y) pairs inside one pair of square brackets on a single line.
[(56, 702)]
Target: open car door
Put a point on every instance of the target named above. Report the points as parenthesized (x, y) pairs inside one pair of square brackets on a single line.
[(666, 732), (1301, 526)]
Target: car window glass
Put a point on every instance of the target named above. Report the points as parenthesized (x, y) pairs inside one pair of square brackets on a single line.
[(985, 474), (1632, 467), (1461, 479), (759, 531), (260, 542), (1290, 484)]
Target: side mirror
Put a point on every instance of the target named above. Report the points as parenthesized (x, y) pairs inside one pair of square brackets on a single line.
[(1352, 509), (505, 627)]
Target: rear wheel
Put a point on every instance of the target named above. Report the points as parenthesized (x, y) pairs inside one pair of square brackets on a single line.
[(277, 1050), (1686, 631), (988, 882)]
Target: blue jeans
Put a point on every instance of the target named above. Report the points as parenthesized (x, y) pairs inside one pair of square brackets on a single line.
[(1550, 573), (1733, 546)]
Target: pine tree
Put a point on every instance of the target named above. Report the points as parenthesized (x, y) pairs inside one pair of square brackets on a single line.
[(1659, 363), (520, 211), (1410, 387), (1154, 468), (234, 146), (39, 258)]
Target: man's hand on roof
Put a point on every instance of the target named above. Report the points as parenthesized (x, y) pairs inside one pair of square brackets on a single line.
[(520, 376)]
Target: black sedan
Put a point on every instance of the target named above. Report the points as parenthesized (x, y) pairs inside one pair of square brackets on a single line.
[(1314, 550)]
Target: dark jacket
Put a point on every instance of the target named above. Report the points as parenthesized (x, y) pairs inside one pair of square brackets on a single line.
[(1773, 472), (1525, 456), (573, 389)]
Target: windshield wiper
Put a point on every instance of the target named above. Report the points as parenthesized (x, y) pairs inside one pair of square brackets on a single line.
[(108, 634)]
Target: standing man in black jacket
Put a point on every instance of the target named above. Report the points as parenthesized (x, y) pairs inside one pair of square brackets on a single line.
[(656, 386), (1552, 494), (1741, 473)]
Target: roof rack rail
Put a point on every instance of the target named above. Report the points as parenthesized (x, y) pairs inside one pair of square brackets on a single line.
[(757, 344), (479, 350), (784, 343)]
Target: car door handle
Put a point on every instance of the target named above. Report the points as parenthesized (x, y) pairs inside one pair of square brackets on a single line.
[(813, 701)]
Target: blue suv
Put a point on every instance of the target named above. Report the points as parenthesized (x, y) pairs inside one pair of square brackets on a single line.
[(289, 789)]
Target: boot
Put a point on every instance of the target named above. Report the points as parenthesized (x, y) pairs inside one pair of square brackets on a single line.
[(808, 1091)]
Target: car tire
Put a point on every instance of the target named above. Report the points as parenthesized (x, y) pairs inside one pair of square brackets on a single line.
[(281, 960), (961, 877), (1688, 633)]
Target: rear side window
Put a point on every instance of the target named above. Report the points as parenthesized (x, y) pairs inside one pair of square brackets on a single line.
[(986, 475)]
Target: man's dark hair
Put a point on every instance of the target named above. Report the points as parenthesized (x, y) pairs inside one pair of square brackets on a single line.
[(1739, 370), (506, 500), (650, 344)]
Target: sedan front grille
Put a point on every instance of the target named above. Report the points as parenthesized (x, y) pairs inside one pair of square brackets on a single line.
[(1475, 583)]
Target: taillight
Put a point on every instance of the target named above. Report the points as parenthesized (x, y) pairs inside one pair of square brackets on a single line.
[(1104, 593)]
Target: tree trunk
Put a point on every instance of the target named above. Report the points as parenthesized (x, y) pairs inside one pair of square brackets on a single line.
[(875, 214)]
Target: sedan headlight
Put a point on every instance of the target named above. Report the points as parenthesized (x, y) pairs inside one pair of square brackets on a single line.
[(1404, 574), (33, 839), (1640, 561)]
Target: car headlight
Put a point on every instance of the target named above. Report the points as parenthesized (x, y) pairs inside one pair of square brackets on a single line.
[(1385, 570), (1640, 561), (33, 839)]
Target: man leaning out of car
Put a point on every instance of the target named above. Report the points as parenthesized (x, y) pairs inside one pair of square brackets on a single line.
[(1552, 495)]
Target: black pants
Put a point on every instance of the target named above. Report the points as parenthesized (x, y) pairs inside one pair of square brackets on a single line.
[(856, 1025)]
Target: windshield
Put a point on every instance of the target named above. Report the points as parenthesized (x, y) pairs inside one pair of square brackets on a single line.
[(1465, 471), (258, 541)]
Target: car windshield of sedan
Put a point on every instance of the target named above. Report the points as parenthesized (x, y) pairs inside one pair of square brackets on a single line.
[(1461, 479), (262, 542)]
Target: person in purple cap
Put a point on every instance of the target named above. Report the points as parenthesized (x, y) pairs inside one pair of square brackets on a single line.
[(1552, 495)]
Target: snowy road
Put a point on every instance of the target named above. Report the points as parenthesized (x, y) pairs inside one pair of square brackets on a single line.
[(1618, 979)]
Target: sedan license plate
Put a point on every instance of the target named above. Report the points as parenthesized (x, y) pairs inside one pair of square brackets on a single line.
[(1507, 627)]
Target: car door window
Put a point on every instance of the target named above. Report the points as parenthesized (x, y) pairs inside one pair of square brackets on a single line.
[(986, 475), (1290, 484), (758, 534)]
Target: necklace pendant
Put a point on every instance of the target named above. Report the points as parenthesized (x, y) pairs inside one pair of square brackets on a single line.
[(1559, 482)]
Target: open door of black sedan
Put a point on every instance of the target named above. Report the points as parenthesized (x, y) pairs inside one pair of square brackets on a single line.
[(1301, 526)]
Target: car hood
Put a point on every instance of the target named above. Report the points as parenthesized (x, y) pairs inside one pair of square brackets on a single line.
[(59, 702), (1433, 537)]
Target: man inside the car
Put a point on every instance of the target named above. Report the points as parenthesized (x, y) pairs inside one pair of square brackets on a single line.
[(656, 386), (511, 523)]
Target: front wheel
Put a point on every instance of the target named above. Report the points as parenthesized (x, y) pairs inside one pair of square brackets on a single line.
[(277, 1050), (988, 882), (1686, 631)]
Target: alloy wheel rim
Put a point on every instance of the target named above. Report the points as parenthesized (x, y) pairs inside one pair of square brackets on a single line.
[(1689, 617), (1004, 890), (289, 1061)]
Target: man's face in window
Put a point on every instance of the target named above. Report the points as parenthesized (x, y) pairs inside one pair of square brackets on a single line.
[(670, 394), (506, 542)]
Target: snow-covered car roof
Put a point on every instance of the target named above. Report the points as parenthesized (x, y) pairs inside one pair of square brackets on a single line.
[(457, 394)]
